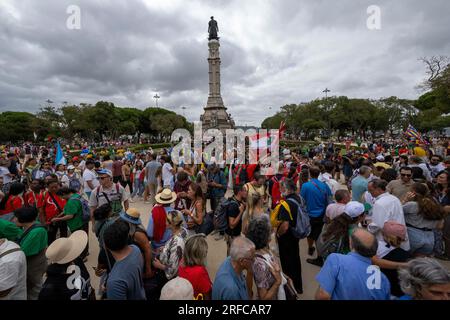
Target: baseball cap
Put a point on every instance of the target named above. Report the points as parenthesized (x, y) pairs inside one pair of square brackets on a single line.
[(71, 167), (380, 158), (354, 209), (105, 171)]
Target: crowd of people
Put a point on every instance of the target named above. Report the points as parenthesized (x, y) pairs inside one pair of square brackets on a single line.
[(375, 219)]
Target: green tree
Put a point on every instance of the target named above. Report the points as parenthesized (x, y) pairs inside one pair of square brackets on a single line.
[(16, 126)]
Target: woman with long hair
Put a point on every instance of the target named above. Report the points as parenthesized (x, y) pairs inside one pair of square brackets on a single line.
[(256, 209), (423, 214), (196, 212), (335, 235)]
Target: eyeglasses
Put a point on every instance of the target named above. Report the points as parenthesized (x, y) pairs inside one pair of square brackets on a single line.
[(405, 175)]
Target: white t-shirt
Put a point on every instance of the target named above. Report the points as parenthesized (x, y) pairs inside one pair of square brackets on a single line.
[(4, 171), (82, 165), (332, 183), (386, 208), (89, 175), (13, 272), (167, 174)]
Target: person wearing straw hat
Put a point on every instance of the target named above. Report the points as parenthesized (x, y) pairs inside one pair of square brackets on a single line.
[(64, 256), (156, 229), (138, 236)]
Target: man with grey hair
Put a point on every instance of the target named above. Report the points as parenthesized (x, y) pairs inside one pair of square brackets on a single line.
[(359, 184), (352, 276), (425, 279), (230, 283)]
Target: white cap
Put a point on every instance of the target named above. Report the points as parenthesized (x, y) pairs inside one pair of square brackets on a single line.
[(71, 167), (177, 289), (380, 158), (354, 209)]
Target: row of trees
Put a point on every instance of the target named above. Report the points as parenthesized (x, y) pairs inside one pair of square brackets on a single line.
[(431, 111), (89, 122), (343, 115)]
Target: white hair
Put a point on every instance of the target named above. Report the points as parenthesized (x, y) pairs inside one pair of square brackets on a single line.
[(240, 248), (420, 273), (177, 289)]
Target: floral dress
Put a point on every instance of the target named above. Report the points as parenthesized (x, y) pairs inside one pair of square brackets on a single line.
[(171, 255)]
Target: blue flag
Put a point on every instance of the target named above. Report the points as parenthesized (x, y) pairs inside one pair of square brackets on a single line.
[(59, 155)]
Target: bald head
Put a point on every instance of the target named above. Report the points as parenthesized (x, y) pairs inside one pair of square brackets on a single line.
[(363, 242)]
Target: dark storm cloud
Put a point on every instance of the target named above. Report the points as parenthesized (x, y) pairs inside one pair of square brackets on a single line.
[(273, 52)]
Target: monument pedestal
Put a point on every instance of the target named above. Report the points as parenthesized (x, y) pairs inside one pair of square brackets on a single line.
[(215, 115)]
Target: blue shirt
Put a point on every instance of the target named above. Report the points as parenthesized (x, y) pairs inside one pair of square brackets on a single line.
[(316, 197), (228, 285), (125, 279), (347, 277), (220, 179), (359, 186)]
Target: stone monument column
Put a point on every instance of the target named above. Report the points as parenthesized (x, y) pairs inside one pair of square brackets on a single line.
[(215, 115)]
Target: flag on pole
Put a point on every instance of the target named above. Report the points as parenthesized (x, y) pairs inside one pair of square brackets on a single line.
[(413, 133), (60, 159)]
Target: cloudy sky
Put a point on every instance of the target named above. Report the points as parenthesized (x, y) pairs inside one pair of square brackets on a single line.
[(274, 52)]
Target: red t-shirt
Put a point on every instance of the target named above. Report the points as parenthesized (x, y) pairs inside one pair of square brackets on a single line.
[(32, 199), (199, 278), (50, 208), (13, 203)]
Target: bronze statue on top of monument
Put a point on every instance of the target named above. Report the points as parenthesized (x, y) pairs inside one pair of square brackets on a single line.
[(213, 29)]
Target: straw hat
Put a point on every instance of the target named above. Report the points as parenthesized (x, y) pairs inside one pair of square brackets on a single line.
[(166, 196), (65, 250), (132, 216)]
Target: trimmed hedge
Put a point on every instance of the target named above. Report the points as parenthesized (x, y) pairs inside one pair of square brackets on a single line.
[(135, 148)]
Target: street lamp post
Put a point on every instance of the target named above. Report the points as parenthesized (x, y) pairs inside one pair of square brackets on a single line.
[(326, 92), (156, 96)]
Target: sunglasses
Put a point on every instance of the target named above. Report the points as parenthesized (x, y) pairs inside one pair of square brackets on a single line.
[(405, 175), (103, 178)]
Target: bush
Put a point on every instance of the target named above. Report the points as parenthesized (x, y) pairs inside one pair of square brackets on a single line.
[(135, 148)]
